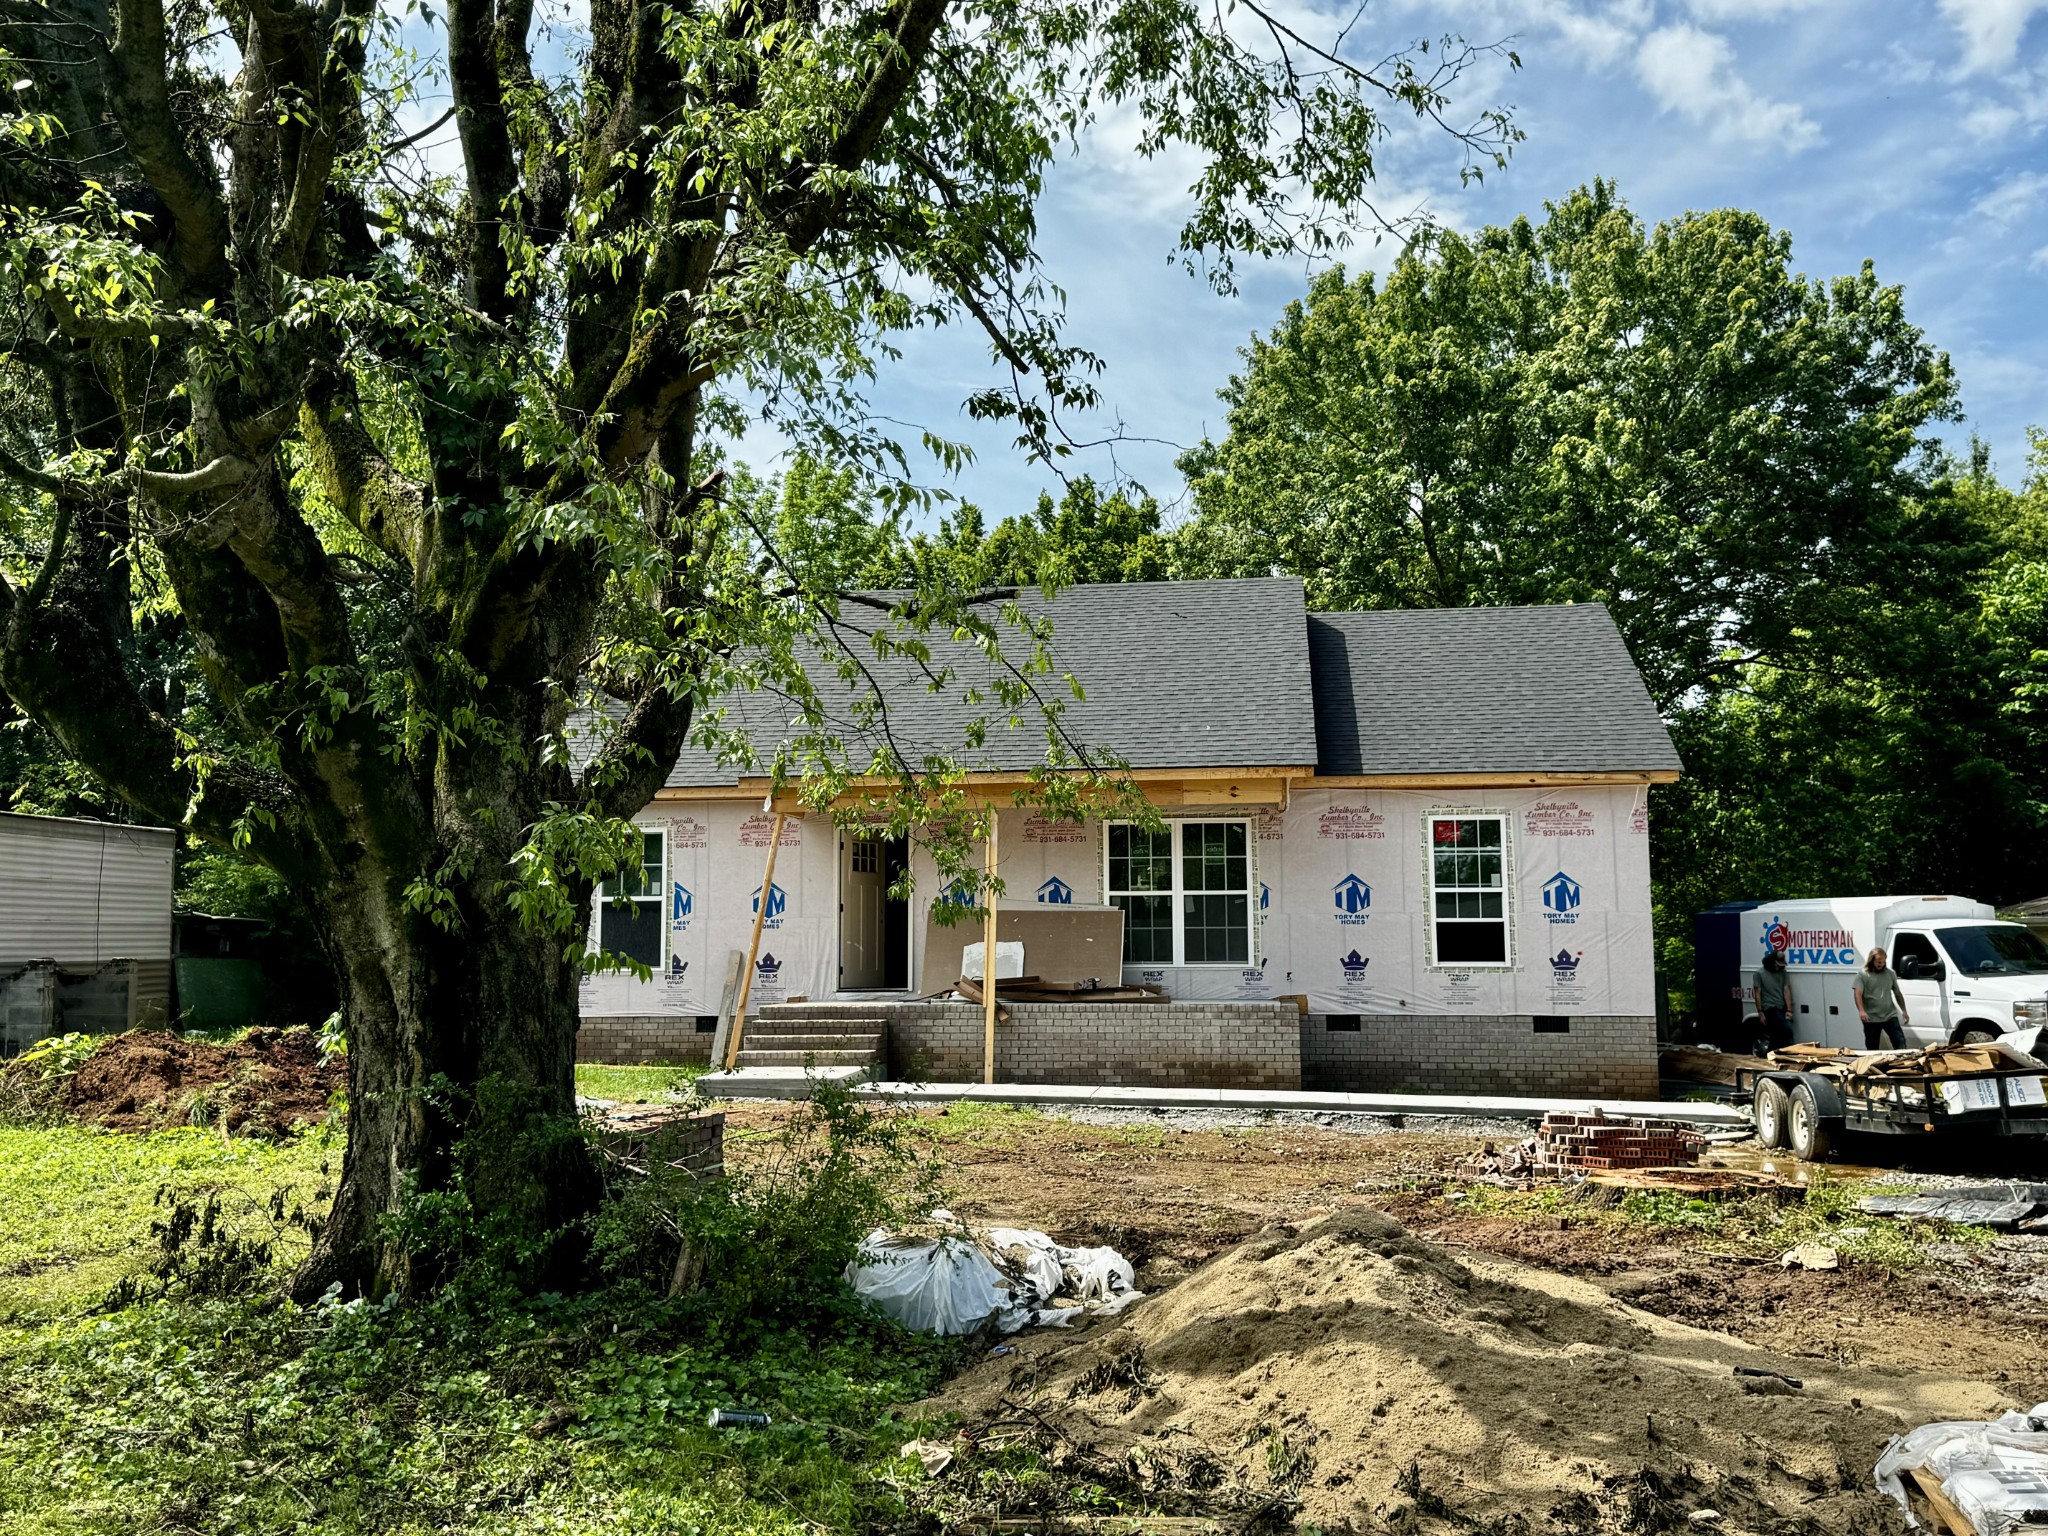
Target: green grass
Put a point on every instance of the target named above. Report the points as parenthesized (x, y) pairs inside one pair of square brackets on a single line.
[(76, 1204), (634, 1085), (248, 1416), (1752, 1225)]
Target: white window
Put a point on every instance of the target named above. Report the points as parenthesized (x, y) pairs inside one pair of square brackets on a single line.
[(1468, 889), (1185, 891), (630, 907)]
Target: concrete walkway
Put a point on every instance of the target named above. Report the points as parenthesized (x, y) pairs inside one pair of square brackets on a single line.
[(794, 1083)]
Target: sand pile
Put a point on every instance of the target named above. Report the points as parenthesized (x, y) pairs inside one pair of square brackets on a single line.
[(261, 1085), (1359, 1379)]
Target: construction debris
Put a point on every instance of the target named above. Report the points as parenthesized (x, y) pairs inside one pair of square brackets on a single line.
[(1703, 1064), (1983, 1479), (2004, 1206), (1593, 1142), (948, 1278), (1811, 1256)]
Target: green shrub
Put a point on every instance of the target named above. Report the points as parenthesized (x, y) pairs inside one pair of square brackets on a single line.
[(770, 1239)]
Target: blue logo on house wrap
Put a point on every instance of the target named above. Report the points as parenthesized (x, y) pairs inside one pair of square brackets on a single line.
[(1057, 892), (678, 967), (959, 894), (1354, 963), (1564, 963), (1352, 897), (680, 905), (1561, 896), (768, 966), (1265, 896), (778, 903)]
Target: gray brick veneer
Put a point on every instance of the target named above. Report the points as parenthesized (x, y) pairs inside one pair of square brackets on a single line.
[(1601, 1056)]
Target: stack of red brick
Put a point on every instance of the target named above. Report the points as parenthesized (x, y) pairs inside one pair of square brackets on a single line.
[(1594, 1143)]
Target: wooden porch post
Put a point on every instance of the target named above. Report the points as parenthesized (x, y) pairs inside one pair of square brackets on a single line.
[(988, 962), (739, 1012)]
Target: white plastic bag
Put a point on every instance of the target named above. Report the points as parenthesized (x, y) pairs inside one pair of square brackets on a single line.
[(934, 1285), (1038, 1255), (954, 1284), (1995, 1473)]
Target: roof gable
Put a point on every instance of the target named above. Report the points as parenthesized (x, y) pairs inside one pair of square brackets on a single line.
[(1481, 690)]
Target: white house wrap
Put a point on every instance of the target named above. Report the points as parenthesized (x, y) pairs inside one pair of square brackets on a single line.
[(1433, 828)]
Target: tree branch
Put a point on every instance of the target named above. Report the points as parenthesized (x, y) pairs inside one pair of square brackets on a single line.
[(487, 156), (142, 103)]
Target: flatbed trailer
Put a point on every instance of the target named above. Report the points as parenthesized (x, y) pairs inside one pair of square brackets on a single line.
[(1806, 1112)]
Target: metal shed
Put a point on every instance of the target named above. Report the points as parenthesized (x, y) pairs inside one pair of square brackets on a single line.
[(85, 926)]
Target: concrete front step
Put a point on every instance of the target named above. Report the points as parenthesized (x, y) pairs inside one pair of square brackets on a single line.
[(750, 1057), (774, 1040)]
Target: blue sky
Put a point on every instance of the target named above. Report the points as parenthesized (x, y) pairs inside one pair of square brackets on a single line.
[(1912, 134)]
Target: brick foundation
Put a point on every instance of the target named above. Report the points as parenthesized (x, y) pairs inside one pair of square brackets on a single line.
[(653, 1041), (1148, 1045), (1607, 1057)]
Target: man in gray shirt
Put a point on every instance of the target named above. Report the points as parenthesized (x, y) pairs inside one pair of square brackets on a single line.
[(1773, 996), (1880, 1003)]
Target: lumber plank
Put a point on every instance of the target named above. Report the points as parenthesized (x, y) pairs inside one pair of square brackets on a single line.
[(1951, 1518)]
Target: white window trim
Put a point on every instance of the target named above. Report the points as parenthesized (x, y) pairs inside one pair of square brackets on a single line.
[(1507, 884), (1177, 891), (660, 899)]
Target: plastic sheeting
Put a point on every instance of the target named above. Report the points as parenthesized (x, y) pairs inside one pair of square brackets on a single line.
[(1995, 1474), (956, 1282)]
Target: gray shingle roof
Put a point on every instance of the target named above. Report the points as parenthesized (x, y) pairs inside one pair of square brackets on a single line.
[(1478, 690), (1185, 674)]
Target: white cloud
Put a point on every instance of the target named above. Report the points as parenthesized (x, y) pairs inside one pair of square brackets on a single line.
[(1601, 37), (1991, 29), (2012, 199), (1991, 120), (2039, 260), (1747, 10), (1692, 73)]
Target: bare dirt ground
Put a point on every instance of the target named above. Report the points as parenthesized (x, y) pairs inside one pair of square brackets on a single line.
[(262, 1084), (1172, 1199), (1484, 1361)]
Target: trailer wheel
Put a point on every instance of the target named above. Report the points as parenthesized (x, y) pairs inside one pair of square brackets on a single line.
[(1977, 1034), (1813, 1138), (1773, 1114)]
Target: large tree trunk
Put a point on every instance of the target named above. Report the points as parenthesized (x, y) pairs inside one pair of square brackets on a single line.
[(463, 1138)]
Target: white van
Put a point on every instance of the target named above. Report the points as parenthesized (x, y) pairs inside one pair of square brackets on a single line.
[(1965, 975)]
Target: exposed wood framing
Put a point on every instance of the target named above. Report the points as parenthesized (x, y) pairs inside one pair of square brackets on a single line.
[(1483, 780), (739, 1012), (988, 965), (1181, 788)]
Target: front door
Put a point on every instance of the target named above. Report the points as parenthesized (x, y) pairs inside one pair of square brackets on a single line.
[(874, 929)]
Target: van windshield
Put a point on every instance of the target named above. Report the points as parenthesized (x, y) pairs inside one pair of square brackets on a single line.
[(1995, 951)]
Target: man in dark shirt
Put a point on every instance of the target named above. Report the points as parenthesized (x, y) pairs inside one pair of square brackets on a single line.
[(1773, 995)]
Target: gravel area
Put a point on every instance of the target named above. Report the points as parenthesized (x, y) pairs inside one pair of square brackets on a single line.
[(1256, 1119)]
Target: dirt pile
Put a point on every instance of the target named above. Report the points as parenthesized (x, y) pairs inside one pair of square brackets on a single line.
[(1365, 1380), (261, 1085)]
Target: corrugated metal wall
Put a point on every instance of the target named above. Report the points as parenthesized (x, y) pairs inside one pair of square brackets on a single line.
[(83, 892)]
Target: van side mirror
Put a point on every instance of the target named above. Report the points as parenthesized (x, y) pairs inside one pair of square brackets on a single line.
[(1935, 971), (1908, 967)]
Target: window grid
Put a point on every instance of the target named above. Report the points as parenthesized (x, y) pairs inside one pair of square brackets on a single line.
[(630, 905), (1467, 857), (1185, 891)]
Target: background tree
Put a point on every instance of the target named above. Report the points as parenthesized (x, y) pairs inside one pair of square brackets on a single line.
[(425, 465), (1088, 535), (1733, 458)]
